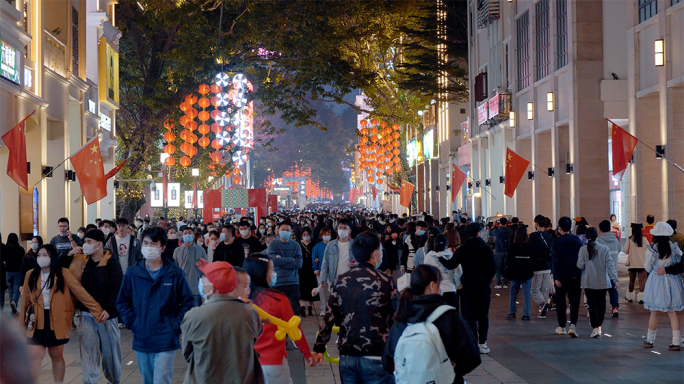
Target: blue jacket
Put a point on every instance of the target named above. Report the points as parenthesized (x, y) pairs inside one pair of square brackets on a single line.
[(501, 234), (318, 253), (287, 259), (329, 262), (154, 309), (564, 253)]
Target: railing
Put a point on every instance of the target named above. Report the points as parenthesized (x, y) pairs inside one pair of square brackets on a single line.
[(55, 53)]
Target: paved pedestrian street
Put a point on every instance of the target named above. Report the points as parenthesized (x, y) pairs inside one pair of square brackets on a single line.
[(521, 352)]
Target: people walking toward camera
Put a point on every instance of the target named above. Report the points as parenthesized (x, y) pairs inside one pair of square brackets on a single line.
[(664, 292), (566, 275), (519, 271), (598, 276), (636, 258)]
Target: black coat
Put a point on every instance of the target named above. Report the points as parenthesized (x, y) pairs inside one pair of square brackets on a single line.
[(519, 263), (232, 253), (540, 248), (478, 263), (459, 340), (12, 257), (103, 283), (28, 263)]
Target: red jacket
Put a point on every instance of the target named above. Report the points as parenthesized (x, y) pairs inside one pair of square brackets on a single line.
[(646, 232), (270, 350)]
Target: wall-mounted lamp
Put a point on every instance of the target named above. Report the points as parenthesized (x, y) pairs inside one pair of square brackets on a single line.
[(660, 151), (28, 167), (549, 101), (47, 171), (116, 183), (477, 184), (568, 168), (502, 179), (69, 175), (551, 171), (436, 187), (530, 175), (488, 182), (448, 187), (530, 111), (470, 185), (511, 119), (659, 52)]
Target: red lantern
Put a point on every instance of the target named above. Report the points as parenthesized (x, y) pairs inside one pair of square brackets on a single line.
[(203, 116), (191, 125), (396, 143), (192, 151), (396, 160), (371, 179), (397, 168), (396, 135), (204, 141), (216, 145), (215, 88), (236, 171), (396, 151), (192, 138), (215, 156), (170, 161), (203, 129), (395, 126), (374, 131), (363, 123), (380, 181), (169, 136), (383, 124), (184, 134), (216, 128), (185, 161), (183, 120), (191, 113), (169, 149), (204, 89), (236, 180), (183, 106), (373, 121), (169, 123), (191, 99)]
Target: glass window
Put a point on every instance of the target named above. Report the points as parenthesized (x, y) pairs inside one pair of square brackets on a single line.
[(676, 2), (523, 36), (541, 18), (561, 33), (74, 41), (647, 9)]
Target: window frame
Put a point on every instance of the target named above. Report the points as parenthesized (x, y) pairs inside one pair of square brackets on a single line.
[(522, 48)]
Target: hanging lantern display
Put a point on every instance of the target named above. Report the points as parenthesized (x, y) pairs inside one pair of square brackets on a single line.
[(378, 150)]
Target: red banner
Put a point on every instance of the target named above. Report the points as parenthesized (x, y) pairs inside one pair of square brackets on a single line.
[(212, 205), (259, 201), (273, 203)]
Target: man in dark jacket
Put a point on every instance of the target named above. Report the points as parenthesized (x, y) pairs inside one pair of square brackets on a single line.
[(478, 269), (153, 299), (228, 249), (502, 244), (247, 241), (566, 275), (100, 275), (540, 249), (411, 245)]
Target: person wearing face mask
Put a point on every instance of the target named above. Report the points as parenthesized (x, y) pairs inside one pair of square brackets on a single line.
[(411, 245), (228, 250), (247, 240), (211, 243), (48, 288), (107, 227), (287, 260), (172, 243), (29, 261), (124, 246), (416, 305), (220, 348), (154, 297), (261, 231), (81, 233), (186, 256), (66, 245), (380, 224), (272, 352), (100, 274), (317, 254), (355, 307), (307, 277), (391, 244), (337, 258)]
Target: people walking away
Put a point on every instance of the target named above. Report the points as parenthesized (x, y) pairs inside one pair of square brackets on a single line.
[(607, 238), (66, 245), (438, 248), (650, 219), (186, 257), (477, 259), (287, 258), (540, 250), (153, 299), (337, 258), (123, 246), (422, 305), (307, 278), (567, 277), (599, 274), (502, 244), (272, 352), (363, 312), (664, 292), (12, 256), (519, 271), (220, 348), (635, 249), (411, 245), (47, 310), (100, 274), (676, 237)]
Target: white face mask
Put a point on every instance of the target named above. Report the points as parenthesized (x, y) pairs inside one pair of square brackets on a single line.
[(43, 262), (89, 249), (34, 246), (150, 253), (81, 235), (244, 232), (306, 238), (344, 233), (105, 231), (326, 238)]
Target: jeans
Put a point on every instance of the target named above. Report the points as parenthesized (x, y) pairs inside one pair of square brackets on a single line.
[(99, 341), (362, 370), (614, 296), (475, 308), (500, 257), (13, 284), (527, 301), (293, 294), (156, 368), (277, 374), (541, 286), (596, 298), (572, 289)]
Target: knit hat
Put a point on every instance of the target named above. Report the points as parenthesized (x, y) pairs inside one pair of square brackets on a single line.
[(220, 274), (96, 235)]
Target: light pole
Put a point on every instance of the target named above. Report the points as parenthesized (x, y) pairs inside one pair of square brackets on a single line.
[(162, 159), (195, 200)]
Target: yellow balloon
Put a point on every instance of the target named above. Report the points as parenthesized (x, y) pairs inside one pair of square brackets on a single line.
[(326, 355), (290, 328)]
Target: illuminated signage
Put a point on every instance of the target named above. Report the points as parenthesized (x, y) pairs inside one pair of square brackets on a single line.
[(172, 194), (91, 107), (109, 72), (28, 78), (188, 199), (9, 62), (411, 152), (105, 122), (428, 144)]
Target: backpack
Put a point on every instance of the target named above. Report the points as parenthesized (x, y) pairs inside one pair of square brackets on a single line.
[(505, 242), (420, 357)]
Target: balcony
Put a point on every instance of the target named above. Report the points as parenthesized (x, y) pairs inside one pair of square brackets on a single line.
[(55, 53), (495, 110)]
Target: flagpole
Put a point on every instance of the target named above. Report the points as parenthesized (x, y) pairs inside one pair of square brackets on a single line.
[(57, 166)]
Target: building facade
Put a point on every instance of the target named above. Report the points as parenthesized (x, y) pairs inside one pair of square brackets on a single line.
[(59, 58), (544, 77)]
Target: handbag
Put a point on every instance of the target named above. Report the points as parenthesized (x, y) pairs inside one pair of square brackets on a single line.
[(30, 315)]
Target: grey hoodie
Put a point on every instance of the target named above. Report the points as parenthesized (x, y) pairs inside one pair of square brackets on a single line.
[(598, 272), (611, 241)]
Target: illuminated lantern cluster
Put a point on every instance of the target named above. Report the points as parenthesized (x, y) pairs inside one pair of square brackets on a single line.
[(379, 150)]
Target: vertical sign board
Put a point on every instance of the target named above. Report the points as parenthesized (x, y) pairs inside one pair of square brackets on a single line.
[(109, 72), (172, 198), (188, 199), (9, 62)]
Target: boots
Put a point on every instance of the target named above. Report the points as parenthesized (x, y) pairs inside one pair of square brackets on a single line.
[(630, 296), (640, 297)]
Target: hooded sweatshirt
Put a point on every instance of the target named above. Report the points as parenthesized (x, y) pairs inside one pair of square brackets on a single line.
[(612, 242), (449, 278)]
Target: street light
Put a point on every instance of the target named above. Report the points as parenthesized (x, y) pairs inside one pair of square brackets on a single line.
[(162, 159), (195, 173)]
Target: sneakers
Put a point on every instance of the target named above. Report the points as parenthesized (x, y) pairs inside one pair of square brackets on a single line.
[(484, 349), (14, 307), (544, 309), (510, 316), (121, 326), (505, 286), (596, 333), (497, 286), (560, 331), (572, 331), (675, 347), (525, 318), (616, 312)]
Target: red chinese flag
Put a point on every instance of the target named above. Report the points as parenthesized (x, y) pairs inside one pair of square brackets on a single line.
[(393, 189), (515, 169), (273, 203), (623, 146), (115, 170), (87, 163), (375, 192), (15, 140), (406, 193), (457, 179)]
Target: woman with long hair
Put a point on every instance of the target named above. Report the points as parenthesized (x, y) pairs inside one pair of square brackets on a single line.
[(520, 271), (416, 305), (391, 244), (664, 292), (47, 296), (453, 237), (581, 232), (438, 247), (598, 272), (13, 254), (29, 260), (272, 353), (636, 258), (307, 277)]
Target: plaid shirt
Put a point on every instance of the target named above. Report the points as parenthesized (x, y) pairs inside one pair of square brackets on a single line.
[(361, 304)]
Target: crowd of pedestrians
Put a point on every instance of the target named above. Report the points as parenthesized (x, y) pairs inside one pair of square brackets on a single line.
[(188, 285)]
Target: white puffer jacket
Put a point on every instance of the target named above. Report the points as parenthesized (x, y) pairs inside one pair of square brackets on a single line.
[(450, 279)]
